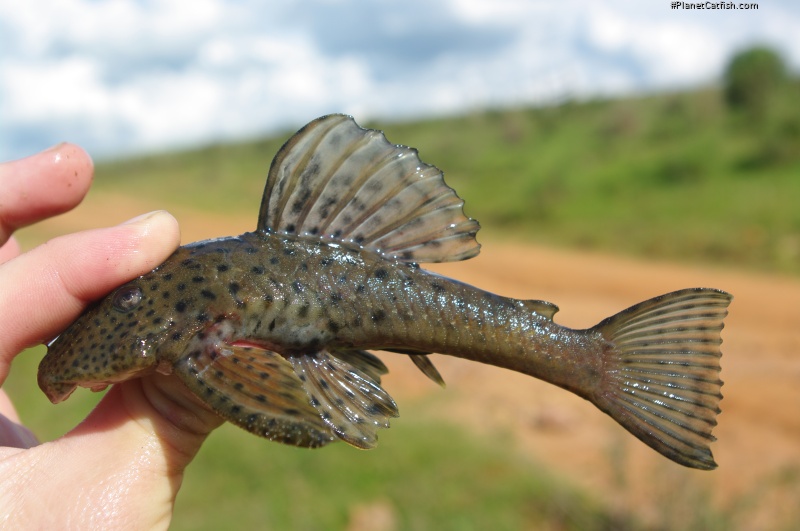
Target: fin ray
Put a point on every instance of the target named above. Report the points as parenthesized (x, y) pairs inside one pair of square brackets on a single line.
[(424, 363)]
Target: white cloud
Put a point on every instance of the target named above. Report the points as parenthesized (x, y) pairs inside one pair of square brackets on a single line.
[(125, 75)]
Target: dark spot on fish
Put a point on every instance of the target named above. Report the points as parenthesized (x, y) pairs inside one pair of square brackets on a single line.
[(292, 411), (333, 326), (154, 286), (233, 288), (191, 264), (257, 270), (219, 374), (361, 288), (208, 294), (263, 375), (378, 316), (339, 401), (336, 298), (236, 409), (325, 262), (222, 268), (271, 325), (176, 336), (359, 239), (304, 266), (238, 386), (267, 297), (357, 321), (350, 394), (314, 401), (437, 287), (157, 320), (288, 251), (380, 274), (165, 294), (148, 314), (325, 415), (314, 231), (180, 306), (338, 233), (252, 418), (298, 287), (181, 286), (198, 279), (303, 311), (290, 227), (274, 260), (168, 276), (202, 316)]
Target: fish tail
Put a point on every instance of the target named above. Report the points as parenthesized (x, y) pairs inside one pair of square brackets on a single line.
[(661, 372)]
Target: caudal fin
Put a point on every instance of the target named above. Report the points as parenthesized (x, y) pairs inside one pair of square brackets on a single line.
[(662, 372)]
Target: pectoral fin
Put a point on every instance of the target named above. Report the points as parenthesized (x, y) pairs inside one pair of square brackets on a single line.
[(305, 400), (255, 389)]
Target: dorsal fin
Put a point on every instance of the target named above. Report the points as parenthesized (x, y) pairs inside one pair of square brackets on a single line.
[(340, 183), (548, 309)]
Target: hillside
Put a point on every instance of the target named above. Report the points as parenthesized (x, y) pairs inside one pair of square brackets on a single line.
[(676, 176)]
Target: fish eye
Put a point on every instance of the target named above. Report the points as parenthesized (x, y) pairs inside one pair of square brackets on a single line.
[(127, 298)]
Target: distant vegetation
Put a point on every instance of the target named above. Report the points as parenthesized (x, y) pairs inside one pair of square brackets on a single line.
[(689, 176)]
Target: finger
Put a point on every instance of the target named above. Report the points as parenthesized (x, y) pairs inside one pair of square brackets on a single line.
[(9, 250), (46, 288), (42, 185)]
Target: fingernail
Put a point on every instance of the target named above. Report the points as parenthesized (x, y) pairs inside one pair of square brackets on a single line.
[(144, 217)]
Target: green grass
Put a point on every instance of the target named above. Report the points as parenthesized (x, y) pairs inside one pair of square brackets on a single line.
[(676, 176), (425, 475)]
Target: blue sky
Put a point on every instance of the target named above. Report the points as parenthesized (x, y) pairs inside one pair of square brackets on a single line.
[(128, 76)]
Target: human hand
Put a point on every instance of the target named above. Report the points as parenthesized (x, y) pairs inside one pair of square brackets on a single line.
[(123, 465)]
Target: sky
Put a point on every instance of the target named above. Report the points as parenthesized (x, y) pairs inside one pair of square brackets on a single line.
[(121, 77)]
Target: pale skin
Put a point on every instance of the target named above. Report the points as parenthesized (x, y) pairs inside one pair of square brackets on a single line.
[(123, 465)]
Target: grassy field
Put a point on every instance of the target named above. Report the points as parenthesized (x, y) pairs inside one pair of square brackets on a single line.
[(675, 176)]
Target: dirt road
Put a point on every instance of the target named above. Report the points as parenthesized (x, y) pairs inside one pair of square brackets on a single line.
[(759, 429)]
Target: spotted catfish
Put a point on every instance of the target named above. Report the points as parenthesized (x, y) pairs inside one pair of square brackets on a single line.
[(271, 328)]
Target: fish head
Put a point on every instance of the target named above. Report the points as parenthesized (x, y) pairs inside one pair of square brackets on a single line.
[(125, 335)]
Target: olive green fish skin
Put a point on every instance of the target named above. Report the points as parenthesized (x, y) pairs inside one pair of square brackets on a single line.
[(293, 295), (271, 329)]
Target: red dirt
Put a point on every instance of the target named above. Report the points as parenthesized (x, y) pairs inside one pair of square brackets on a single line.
[(759, 430)]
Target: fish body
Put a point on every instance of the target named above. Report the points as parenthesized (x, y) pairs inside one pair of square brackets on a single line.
[(270, 328)]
